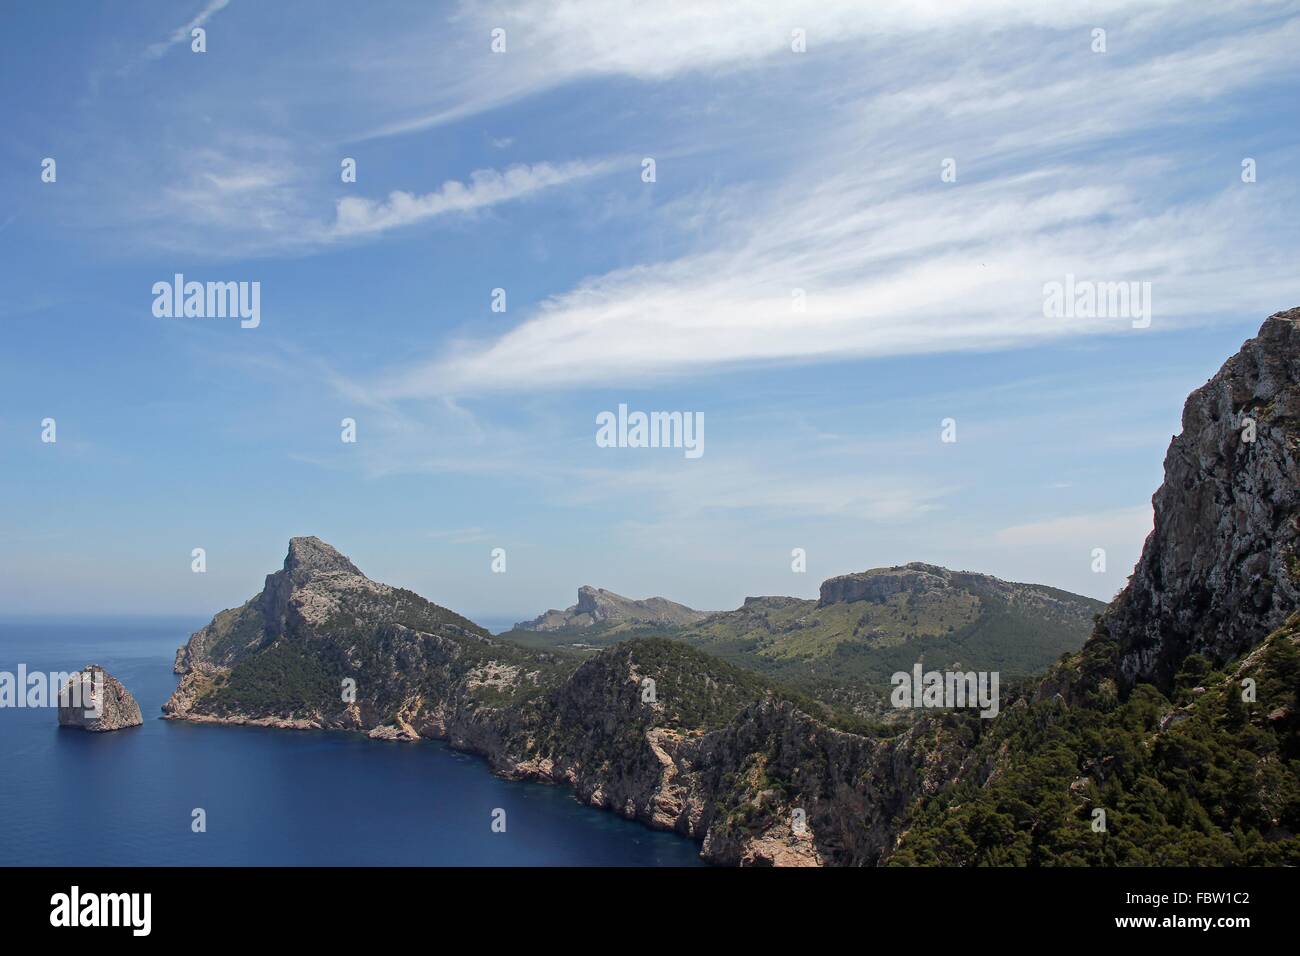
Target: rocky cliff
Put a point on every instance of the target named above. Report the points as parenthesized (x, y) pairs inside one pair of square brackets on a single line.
[(1221, 569), (1177, 725), (598, 608), (94, 700)]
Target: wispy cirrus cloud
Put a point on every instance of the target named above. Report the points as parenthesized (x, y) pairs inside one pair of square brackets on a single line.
[(252, 191), (182, 33), (886, 260), (357, 216), (880, 277), (548, 46)]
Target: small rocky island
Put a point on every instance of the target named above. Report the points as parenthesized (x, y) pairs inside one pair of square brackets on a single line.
[(94, 700)]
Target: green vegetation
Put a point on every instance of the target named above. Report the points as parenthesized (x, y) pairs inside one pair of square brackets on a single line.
[(845, 653), (235, 630), (1220, 785), (412, 650), (287, 679)]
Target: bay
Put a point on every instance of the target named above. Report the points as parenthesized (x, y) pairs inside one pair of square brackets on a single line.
[(271, 797)]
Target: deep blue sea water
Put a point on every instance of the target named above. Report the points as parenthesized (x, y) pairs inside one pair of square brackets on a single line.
[(272, 797)]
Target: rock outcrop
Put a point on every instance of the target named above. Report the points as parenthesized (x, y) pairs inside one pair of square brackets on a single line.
[(317, 585), (94, 700), (880, 584), (597, 607), (921, 580), (1221, 569), (1178, 718)]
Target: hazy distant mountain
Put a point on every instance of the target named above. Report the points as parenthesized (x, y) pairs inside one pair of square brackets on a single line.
[(866, 626), (844, 647), (607, 611)]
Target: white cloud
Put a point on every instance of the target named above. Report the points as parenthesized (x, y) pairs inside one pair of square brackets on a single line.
[(893, 262), (552, 44), (249, 188), (182, 33), (924, 273), (486, 187)]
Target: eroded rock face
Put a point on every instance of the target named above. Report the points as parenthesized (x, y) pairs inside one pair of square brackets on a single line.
[(96, 701), (880, 584), (1220, 570), (316, 588)]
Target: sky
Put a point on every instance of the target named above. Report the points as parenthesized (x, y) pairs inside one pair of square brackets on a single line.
[(840, 260)]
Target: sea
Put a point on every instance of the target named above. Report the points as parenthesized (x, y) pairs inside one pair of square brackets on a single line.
[(268, 797)]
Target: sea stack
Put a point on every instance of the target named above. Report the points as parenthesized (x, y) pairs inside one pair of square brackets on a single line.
[(95, 700)]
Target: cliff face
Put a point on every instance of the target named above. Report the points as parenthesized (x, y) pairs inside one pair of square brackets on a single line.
[(94, 700), (923, 581), (717, 756), (1221, 569), (597, 607), (880, 584), (1179, 717)]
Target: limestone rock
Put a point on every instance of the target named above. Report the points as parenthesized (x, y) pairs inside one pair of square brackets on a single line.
[(1221, 570), (96, 701)]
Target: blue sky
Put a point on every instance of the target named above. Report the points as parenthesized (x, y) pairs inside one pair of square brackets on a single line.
[(522, 170)]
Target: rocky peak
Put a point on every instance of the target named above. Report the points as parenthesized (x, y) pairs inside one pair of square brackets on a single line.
[(588, 600), (769, 602), (316, 586), (311, 555), (313, 576), (1220, 570)]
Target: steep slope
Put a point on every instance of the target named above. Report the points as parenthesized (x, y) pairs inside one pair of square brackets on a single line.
[(317, 587), (417, 669), (843, 647), (1221, 567), (605, 612), (1178, 719), (1199, 778)]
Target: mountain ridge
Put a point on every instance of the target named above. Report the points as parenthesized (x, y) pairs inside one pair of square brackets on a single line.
[(865, 626)]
